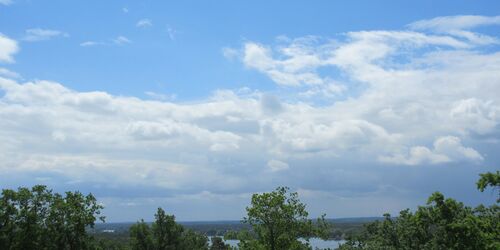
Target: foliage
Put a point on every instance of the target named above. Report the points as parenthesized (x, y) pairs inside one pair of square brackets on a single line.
[(441, 224), (165, 234), (193, 241), (489, 179), (218, 244), (279, 219), (141, 237), (36, 218)]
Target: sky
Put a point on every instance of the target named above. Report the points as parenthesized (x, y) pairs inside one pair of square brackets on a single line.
[(362, 107)]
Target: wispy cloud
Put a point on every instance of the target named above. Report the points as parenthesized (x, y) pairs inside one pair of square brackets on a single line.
[(143, 23), (37, 34), (90, 43), (120, 40), (449, 23), (8, 47), (230, 53), (125, 10)]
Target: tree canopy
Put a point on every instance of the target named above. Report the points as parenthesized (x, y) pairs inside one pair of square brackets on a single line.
[(165, 234), (37, 218), (443, 223), (279, 219), (489, 180)]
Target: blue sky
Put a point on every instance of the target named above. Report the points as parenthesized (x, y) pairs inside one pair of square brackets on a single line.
[(362, 107)]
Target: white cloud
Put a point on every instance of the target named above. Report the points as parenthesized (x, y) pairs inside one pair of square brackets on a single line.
[(448, 23), (120, 40), (125, 10), (475, 115), (293, 71), (143, 23), (431, 68), (299, 62), (390, 96), (8, 48), (446, 149), (452, 147), (37, 34), (276, 165), (9, 74), (90, 43)]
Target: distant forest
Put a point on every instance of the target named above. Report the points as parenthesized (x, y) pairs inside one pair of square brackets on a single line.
[(37, 218)]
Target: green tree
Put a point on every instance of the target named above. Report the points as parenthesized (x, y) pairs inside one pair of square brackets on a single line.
[(167, 233), (141, 236), (279, 219), (194, 241), (8, 216), (36, 218), (489, 179), (441, 224), (218, 244)]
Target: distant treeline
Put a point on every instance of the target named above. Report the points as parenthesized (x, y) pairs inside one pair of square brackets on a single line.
[(38, 218), (341, 228)]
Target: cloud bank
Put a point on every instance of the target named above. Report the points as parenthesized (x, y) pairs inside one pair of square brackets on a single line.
[(420, 97)]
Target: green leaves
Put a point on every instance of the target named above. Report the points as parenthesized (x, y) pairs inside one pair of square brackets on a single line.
[(279, 219), (443, 223), (40, 219), (489, 179), (141, 237), (165, 234)]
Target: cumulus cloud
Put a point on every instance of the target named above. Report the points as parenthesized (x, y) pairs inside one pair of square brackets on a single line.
[(477, 116), (37, 34), (446, 149), (407, 97), (8, 47)]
